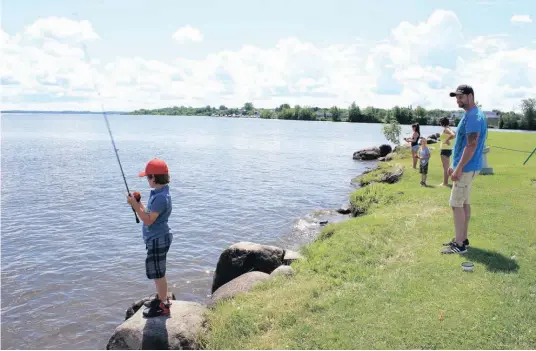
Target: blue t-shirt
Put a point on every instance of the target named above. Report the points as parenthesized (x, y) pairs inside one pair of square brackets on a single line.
[(473, 121), (159, 201)]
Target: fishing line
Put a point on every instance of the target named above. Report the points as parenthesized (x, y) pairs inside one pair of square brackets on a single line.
[(104, 114)]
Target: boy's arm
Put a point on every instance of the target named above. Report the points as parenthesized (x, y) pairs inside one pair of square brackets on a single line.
[(158, 206)]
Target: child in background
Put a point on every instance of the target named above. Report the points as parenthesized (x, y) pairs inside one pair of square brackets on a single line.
[(424, 156)]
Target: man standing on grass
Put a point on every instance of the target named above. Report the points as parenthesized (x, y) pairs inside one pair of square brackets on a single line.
[(467, 163)]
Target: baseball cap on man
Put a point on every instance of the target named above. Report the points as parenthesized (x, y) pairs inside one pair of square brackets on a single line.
[(463, 89), (155, 166)]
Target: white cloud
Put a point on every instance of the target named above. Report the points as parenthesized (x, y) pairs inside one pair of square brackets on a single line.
[(61, 28), (187, 33), (485, 45), (521, 19), (418, 64)]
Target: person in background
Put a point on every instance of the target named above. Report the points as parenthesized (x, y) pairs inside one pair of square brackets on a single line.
[(424, 156), (414, 141), (447, 140)]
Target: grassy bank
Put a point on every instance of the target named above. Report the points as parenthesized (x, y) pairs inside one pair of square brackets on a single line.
[(378, 281)]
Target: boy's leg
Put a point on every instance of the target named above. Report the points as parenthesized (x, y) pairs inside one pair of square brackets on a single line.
[(162, 288), (156, 270)]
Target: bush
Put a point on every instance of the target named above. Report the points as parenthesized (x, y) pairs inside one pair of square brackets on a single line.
[(392, 130)]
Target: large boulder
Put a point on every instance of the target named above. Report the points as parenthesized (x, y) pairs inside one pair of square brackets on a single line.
[(344, 209), (245, 257), (180, 331), (285, 271), (291, 256), (138, 304), (242, 284), (392, 175), (431, 141), (385, 149), (367, 154)]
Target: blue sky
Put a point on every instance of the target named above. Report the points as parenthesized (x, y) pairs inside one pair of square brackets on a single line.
[(377, 53)]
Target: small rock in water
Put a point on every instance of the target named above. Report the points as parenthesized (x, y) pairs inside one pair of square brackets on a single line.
[(323, 222)]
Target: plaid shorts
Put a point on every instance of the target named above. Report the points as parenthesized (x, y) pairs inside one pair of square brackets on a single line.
[(155, 263), (423, 168)]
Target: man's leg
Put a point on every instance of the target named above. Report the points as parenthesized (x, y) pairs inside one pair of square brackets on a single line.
[(460, 224), (467, 210), (458, 197)]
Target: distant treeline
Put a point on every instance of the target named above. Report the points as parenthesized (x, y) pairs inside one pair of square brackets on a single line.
[(404, 115)]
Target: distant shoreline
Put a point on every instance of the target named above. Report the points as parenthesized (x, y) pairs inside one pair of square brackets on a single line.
[(66, 112)]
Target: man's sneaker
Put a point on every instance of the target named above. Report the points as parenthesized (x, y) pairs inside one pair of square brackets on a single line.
[(465, 242), (454, 248), (157, 308)]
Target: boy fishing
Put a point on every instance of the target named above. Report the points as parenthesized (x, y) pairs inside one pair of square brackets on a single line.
[(156, 233)]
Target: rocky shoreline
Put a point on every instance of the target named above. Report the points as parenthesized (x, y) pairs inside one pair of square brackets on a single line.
[(240, 268)]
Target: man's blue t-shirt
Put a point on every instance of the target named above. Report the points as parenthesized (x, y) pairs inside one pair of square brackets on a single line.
[(473, 121), (159, 201)]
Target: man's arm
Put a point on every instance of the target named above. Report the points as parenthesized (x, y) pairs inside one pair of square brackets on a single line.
[(469, 149)]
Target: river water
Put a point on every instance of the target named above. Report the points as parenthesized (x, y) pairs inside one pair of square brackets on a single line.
[(72, 254)]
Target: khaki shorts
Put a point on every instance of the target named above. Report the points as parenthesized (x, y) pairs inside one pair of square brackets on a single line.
[(461, 189)]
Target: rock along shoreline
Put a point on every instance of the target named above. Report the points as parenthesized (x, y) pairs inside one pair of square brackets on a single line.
[(240, 268)]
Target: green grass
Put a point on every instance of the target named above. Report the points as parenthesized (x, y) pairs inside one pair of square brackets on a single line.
[(378, 280)]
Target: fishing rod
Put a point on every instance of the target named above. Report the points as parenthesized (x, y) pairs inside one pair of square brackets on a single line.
[(86, 55), (118, 160)]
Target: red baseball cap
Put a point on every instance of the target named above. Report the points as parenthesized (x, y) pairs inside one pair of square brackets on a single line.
[(155, 166)]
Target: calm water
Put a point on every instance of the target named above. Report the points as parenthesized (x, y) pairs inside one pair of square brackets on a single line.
[(72, 254)]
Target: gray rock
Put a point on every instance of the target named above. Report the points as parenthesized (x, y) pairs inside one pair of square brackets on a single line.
[(286, 271), (367, 154), (178, 332), (393, 175), (382, 159), (245, 257), (242, 284), (385, 149), (400, 148), (390, 156), (291, 256), (345, 209), (431, 141)]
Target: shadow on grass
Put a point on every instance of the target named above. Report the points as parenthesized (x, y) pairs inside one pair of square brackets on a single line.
[(494, 261)]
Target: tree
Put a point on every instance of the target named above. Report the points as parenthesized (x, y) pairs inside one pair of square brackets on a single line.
[(223, 108), (267, 114), (297, 112), (248, 106), (307, 114), (335, 114), (287, 113), (420, 116), (354, 113), (391, 129), (529, 114), (282, 107)]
